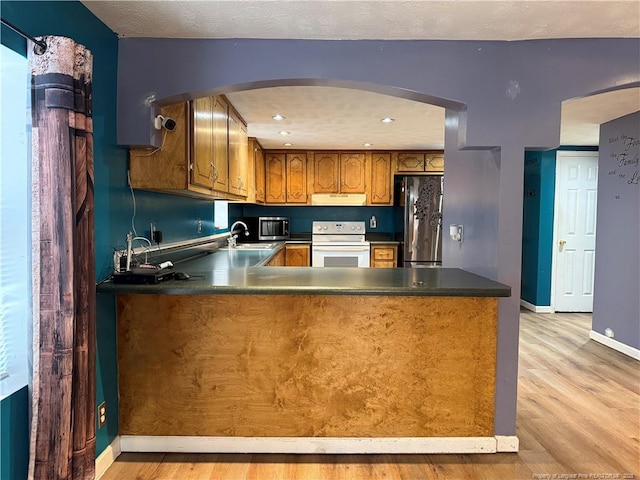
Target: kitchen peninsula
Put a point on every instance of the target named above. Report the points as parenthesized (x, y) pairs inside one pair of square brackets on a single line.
[(303, 360)]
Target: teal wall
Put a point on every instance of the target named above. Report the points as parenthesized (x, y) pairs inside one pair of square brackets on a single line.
[(537, 224), (176, 216), (14, 435), (302, 217)]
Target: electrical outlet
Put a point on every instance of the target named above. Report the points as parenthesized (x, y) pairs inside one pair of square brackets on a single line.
[(102, 414), (152, 230), (199, 226)]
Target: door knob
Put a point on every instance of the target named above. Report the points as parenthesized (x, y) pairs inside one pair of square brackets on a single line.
[(562, 243)]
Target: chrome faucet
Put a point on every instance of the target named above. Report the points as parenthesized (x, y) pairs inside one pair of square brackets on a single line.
[(233, 238)]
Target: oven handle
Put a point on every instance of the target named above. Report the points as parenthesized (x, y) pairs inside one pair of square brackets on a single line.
[(341, 248)]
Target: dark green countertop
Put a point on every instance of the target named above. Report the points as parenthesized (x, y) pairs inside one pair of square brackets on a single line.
[(234, 272)]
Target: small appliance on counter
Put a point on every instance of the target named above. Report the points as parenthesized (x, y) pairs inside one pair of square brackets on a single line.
[(266, 229), (145, 274), (127, 269)]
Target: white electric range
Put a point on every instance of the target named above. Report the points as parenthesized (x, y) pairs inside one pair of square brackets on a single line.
[(339, 244)]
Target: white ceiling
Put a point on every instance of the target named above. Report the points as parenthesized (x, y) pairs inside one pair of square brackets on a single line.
[(324, 117), (371, 19), (340, 118)]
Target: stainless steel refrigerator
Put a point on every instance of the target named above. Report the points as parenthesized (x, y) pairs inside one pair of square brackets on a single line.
[(423, 221)]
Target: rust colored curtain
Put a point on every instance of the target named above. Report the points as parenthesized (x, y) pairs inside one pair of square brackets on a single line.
[(63, 383)]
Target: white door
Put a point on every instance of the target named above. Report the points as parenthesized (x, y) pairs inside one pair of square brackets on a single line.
[(575, 230)]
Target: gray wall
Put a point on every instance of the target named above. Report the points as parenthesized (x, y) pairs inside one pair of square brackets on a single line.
[(501, 97), (616, 301)]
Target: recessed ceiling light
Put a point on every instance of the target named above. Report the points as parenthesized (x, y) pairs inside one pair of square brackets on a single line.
[(288, 144), (277, 117), (387, 120), (283, 133), (367, 144)]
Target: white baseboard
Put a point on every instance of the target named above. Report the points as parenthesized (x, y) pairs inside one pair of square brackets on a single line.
[(536, 308), (309, 445), (615, 344), (106, 458), (507, 443)]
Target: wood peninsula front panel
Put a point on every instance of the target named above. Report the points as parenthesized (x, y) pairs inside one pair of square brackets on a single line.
[(306, 365)]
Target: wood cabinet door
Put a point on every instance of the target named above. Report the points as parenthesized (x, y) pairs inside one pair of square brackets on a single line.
[(260, 173), (296, 178), (410, 162), (381, 179), (326, 172), (202, 167), (434, 163), (278, 260), (275, 185), (220, 145), (297, 255), (238, 150), (169, 167), (352, 173)]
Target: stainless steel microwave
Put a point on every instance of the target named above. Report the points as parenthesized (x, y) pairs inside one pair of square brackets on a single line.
[(267, 228)]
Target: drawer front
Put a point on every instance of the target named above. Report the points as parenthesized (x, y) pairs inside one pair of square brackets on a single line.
[(383, 253), (384, 264)]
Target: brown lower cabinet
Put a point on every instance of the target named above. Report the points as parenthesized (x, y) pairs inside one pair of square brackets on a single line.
[(297, 255), (384, 255), (301, 365), (292, 255), (278, 259)]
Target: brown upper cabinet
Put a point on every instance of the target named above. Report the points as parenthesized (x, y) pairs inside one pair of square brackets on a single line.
[(238, 155), (203, 171), (198, 156), (296, 177), (275, 178), (339, 172), (434, 163), (286, 177), (353, 177), (410, 162), (326, 172), (381, 186), (220, 133), (420, 162), (256, 176), (179, 166)]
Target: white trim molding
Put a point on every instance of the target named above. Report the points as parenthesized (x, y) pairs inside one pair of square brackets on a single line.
[(107, 457), (507, 443), (536, 308), (615, 344), (309, 445)]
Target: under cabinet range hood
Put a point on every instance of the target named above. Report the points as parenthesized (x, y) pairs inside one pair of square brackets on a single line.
[(341, 199)]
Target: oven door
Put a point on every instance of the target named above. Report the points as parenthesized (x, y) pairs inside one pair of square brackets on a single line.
[(340, 256)]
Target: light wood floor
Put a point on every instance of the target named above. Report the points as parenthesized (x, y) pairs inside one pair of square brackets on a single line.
[(578, 415)]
